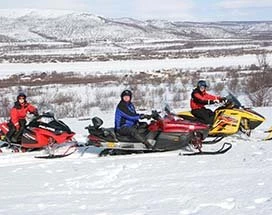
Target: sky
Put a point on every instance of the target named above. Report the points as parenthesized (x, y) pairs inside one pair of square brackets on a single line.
[(176, 10)]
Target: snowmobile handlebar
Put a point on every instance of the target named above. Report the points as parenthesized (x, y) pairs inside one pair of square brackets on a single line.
[(153, 115)]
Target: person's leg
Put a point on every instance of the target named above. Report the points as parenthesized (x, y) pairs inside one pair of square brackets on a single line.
[(18, 134), (211, 116), (11, 132), (133, 132), (204, 115)]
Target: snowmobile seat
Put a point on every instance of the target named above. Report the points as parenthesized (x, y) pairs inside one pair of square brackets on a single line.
[(109, 134), (97, 122)]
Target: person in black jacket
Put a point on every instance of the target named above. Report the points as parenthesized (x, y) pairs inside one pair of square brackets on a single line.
[(127, 119)]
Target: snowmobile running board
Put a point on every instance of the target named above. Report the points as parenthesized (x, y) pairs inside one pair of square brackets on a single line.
[(222, 150), (126, 151), (123, 151)]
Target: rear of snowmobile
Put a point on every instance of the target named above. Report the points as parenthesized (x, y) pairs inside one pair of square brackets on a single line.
[(167, 134), (230, 118)]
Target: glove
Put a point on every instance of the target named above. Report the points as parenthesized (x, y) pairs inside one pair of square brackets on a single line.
[(36, 113), (148, 116), (223, 99), (142, 116), (211, 102), (145, 116)]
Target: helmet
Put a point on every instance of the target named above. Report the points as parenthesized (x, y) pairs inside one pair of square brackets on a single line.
[(126, 93), (20, 95), (201, 83)]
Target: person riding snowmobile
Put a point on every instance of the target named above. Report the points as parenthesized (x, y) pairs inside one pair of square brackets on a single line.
[(18, 117), (200, 98), (127, 120)]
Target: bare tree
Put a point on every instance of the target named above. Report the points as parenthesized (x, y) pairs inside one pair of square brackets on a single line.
[(259, 84)]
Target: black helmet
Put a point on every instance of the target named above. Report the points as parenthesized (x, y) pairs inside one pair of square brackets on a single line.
[(126, 93), (20, 95), (201, 83)]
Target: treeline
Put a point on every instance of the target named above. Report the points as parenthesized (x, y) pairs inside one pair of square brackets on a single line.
[(75, 95), (172, 52)]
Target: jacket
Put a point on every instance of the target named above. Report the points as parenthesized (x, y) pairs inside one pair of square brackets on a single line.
[(125, 115), (19, 112), (200, 99)]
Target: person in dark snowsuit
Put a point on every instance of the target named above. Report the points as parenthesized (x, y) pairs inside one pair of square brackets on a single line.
[(18, 117), (200, 98), (127, 120)]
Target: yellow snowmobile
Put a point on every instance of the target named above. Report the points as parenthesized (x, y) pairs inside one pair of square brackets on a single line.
[(269, 137), (230, 118)]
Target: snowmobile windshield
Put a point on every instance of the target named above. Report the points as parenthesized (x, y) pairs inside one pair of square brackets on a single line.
[(234, 100), (46, 119)]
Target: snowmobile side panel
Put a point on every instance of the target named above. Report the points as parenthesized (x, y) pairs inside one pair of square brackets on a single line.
[(172, 141)]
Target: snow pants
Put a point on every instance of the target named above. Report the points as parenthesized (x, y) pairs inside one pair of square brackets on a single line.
[(204, 115)]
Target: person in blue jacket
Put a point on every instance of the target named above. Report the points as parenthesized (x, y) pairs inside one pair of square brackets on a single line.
[(127, 119)]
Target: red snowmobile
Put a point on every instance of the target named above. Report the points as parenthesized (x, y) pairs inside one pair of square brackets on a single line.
[(167, 133), (42, 131)]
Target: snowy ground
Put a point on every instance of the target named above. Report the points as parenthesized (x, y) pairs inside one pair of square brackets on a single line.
[(7, 69), (238, 182)]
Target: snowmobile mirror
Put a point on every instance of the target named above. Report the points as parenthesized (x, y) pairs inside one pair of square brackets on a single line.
[(155, 115), (167, 108)]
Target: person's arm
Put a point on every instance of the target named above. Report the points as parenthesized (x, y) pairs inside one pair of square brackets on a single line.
[(198, 98), (126, 113), (212, 97), (31, 108), (207, 99)]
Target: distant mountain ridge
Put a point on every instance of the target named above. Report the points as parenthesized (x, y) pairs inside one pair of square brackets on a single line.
[(54, 25)]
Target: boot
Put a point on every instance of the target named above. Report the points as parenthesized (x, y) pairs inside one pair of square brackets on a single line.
[(149, 144)]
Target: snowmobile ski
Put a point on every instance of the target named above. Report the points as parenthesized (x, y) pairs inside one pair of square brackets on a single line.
[(53, 156), (215, 140), (269, 136), (65, 154), (226, 147)]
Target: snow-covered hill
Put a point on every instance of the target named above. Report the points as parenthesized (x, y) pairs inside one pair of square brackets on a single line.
[(238, 182), (51, 25)]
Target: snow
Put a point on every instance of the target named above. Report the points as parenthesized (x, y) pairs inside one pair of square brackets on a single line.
[(7, 69), (238, 182)]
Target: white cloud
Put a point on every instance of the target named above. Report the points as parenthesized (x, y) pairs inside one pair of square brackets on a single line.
[(46, 4), (231, 4), (162, 5), (165, 9)]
